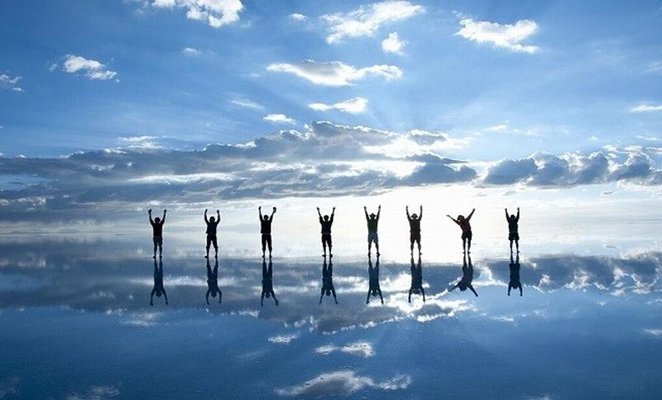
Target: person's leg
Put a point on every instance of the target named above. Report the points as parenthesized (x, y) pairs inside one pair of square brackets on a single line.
[(155, 244), (419, 245), (464, 244), (511, 245), (269, 244), (208, 244), (469, 243), (215, 242), (324, 245), (330, 245), (377, 246), (264, 244), (516, 245), (160, 247), (411, 244)]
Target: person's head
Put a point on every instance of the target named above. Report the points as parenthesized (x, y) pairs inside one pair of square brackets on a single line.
[(374, 292), (414, 216), (416, 290), (512, 217), (158, 293), (266, 218), (157, 220), (373, 216), (462, 286), (213, 293), (460, 217), (328, 292), (326, 217), (212, 219)]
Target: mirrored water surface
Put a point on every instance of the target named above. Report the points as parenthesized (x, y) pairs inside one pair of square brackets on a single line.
[(76, 322)]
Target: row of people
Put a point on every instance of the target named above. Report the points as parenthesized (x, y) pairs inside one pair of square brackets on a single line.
[(326, 223), (328, 289)]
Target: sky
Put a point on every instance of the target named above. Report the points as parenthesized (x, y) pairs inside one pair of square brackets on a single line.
[(108, 108)]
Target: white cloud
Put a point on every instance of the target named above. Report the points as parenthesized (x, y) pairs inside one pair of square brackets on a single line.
[(653, 332), (216, 13), (342, 383), (335, 73), (646, 108), (366, 20), (393, 44), (496, 128), (246, 103), (190, 51), (360, 349), (93, 69), (279, 119), (10, 83), (507, 36), (283, 339), (298, 17), (355, 105)]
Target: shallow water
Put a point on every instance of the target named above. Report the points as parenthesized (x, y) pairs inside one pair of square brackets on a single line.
[(76, 322)]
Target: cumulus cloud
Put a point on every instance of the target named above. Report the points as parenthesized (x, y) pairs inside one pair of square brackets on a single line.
[(355, 105), (279, 119), (8, 82), (190, 51), (92, 69), (298, 17), (216, 13), (342, 383), (366, 20), (646, 108), (507, 36), (359, 349), (335, 73), (393, 44)]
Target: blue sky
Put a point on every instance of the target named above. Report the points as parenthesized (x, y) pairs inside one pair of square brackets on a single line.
[(185, 101)]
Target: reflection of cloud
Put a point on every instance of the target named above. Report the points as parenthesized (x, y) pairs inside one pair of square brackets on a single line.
[(283, 339), (342, 383), (360, 349), (653, 332), (95, 393)]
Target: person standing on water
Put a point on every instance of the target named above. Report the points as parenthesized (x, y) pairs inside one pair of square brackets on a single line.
[(212, 224), (414, 229), (513, 234), (372, 220), (157, 231), (326, 223), (466, 229), (265, 229)]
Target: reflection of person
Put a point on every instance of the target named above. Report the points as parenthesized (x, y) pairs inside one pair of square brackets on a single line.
[(467, 276), (326, 223), (327, 281), (212, 224), (212, 282), (267, 282), (372, 220), (157, 231), (415, 229), (158, 289), (466, 229), (513, 234), (416, 279), (265, 229), (373, 280), (515, 282)]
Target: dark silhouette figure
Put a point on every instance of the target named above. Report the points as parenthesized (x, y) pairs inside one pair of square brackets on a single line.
[(513, 234), (467, 276), (466, 230), (212, 224), (416, 279), (157, 231), (515, 282), (265, 229), (158, 289), (415, 229), (326, 223), (372, 220), (373, 280), (267, 282), (327, 281), (212, 282)]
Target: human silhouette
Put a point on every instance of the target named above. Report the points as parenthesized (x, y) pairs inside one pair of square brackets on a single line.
[(327, 281), (267, 282), (265, 229), (513, 234), (158, 289), (466, 229), (373, 280), (212, 282), (416, 279), (515, 282), (467, 276), (326, 223), (212, 223), (415, 229), (372, 220), (157, 231)]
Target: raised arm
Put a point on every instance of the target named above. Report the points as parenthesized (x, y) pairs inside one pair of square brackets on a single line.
[(165, 295), (379, 211), (365, 211), (319, 213), (262, 299), (273, 211), (274, 296), (407, 211), (520, 289), (207, 296), (454, 287), (333, 292), (367, 300), (507, 219), (420, 213), (380, 295), (259, 212), (333, 212), (149, 212), (471, 214), (517, 217), (452, 219), (509, 287), (218, 215), (164, 215), (409, 297), (151, 297), (472, 289), (206, 220), (423, 293), (321, 294)]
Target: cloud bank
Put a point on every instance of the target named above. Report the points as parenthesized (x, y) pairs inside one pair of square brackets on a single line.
[(335, 73)]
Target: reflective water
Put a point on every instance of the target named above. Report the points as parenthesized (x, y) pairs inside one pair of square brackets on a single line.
[(76, 322)]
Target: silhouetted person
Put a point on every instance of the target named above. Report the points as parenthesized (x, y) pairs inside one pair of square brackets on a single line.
[(372, 220), (414, 229), (158, 289), (466, 230), (513, 234), (327, 281), (157, 231), (212, 224), (265, 229), (514, 275), (212, 282), (467, 276), (267, 282), (373, 280), (416, 279), (326, 223)]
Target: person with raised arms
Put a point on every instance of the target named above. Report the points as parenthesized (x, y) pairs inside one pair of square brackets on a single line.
[(466, 230), (414, 229), (372, 220), (326, 223), (212, 224), (265, 229), (157, 231), (513, 234)]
